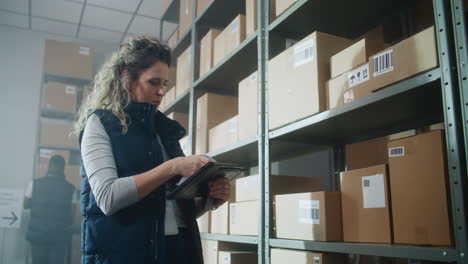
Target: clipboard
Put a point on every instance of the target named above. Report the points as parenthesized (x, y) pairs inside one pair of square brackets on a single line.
[(197, 184)]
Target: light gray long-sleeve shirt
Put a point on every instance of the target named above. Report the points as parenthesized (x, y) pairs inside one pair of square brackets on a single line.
[(111, 192)]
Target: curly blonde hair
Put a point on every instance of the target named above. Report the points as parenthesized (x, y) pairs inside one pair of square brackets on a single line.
[(112, 88)]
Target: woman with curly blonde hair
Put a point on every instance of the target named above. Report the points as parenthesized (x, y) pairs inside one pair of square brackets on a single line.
[(131, 158)]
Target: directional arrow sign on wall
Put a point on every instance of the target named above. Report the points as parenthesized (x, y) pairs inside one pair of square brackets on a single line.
[(11, 206)]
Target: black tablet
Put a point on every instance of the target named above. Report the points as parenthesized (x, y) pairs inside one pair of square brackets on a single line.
[(197, 184)]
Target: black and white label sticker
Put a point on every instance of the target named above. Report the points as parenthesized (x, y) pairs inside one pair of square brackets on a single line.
[(84, 51), (303, 53), (396, 152), (316, 260), (373, 191), (358, 75), (309, 212), (45, 153), (69, 89), (253, 77), (383, 63), (348, 96)]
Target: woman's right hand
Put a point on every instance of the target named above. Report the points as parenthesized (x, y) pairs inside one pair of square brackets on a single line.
[(187, 166)]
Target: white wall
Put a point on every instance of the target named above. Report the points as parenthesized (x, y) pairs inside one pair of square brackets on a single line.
[(21, 57)]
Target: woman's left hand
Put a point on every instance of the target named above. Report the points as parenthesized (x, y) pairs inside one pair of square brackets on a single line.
[(220, 189)]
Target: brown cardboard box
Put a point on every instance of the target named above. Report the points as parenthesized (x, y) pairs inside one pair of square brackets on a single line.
[(182, 118), (67, 58), (170, 96), (354, 56), (172, 77), (184, 71), (204, 222), (228, 40), (58, 133), (297, 78), (44, 158), (247, 188), (365, 203), (185, 16), (250, 16), (272, 10), (212, 109), (237, 257), (418, 172), (282, 5), (211, 249), (60, 96), (174, 39), (281, 256), (224, 134), (73, 176), (202, 5), (206, 50), (243, 218), (309, 216), (248, 118), (220, 220)]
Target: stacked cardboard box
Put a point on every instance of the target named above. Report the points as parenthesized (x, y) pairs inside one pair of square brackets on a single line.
[(69, 59), (281, 256), (169, 98), (212, 248), (250, 17), (212, 109), (204, 222), (282, 5), (202, 5), (230, 38), (184, 72), (207, 51), (237, 257), (224, 134), (248, 117), (220, 217), (58, 133), (185, 16), (297, 78), (173, 39), (60, 96)]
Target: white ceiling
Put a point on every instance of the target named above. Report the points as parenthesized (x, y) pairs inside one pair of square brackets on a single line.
[(102, 20)]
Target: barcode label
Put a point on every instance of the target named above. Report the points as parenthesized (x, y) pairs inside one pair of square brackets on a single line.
[(316, 260), (70, 89), (366, 183), (45, 153), (290, 42), (383, 63), (358, 76), (396, 152), (373, 191), (84, 51), (303, 53), (235, 25), (348, 96), (309, 212), (253, 77)]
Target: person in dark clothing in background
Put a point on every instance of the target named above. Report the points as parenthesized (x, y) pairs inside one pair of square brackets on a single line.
[(49, 199)]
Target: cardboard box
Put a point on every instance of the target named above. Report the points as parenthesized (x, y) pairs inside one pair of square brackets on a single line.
[(185, 145), (354, 56), (418, 176), (182, 118), (58, 133), (70, 59), (297, 78), (206, 50), (73, 176), (212, 109), (250, 16), (247, 188), (172, 77), (309, 216), (211, 248), (204, 222), (202, 5), (220, 216), (281, 256), (365, 202), (185, 16), (87, 90), (60, 96), (224, 134), (173, 39), (407, 58), (237, 257), (44, 158), (170, 96), (229, 39), (248, 117), (282, 5), (184, 71), (243, 218)]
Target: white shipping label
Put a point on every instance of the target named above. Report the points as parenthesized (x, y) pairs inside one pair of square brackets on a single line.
[(303, 53), (383, 63), (69, 89), (226, 259), (253, 77), (316, 260), (84, 51), (373, 191), (396, 152), (232, 125), (348, 96), (358, 75), (45, 153), (290, 42), (309, 212), (235, 25)]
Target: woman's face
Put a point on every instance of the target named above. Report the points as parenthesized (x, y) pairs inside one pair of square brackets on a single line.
[(151, 86)]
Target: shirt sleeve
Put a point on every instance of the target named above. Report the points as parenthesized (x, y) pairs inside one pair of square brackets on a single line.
[(111, 192)]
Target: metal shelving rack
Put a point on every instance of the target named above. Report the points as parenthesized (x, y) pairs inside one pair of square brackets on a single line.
[(439, 95)]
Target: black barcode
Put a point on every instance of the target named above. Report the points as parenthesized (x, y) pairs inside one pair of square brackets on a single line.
[(316, 261), (304, 54), (383, 63), (396, 152), (310, 213), (366, 183)]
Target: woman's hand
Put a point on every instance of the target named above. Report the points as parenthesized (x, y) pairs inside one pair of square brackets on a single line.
[(220, 189), (187, 166)]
